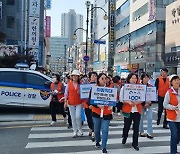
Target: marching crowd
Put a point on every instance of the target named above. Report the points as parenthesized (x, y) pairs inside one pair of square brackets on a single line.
[(66, 98)]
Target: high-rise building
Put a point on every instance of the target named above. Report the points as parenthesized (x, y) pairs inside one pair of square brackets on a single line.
[(58, 53), (13, 24), (140, 35), (69, 23)]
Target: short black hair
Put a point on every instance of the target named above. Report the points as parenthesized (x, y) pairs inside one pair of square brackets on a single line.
[(91, 73), (174, 78), (144, 75), (58, 77), (118, 77), (164, 69), (115, 79), (130, 76), (99, 76)]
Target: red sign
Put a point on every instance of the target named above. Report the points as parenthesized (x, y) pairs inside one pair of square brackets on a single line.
[(48, 26)]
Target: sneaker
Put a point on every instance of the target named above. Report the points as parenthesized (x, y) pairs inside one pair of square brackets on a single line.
[(135, 148), (93, 137), (142, 135), (150, 136), (104, 151), (158, 121), (97, 145), (119, 114), (165, 127), (74, 134), (69, 127), (80, 132), (65, 119), (53, 123)]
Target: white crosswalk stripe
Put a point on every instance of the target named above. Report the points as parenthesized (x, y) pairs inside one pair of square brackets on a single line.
[(61, 138)]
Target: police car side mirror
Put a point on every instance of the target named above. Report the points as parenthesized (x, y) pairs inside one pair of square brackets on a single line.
[(47, 83)]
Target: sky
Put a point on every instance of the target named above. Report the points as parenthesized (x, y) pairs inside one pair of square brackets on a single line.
[(62, 6)]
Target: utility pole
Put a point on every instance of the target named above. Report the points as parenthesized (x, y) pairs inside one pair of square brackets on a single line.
[(65, 60)]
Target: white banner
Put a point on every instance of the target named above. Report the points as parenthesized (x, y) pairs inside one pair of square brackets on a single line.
[(134, 92), (33, 32), (84, 90), (103, 96), (152, 14), (34, 8), (151, 94)]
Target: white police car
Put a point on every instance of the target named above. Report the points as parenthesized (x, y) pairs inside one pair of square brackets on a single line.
[(24, 88)]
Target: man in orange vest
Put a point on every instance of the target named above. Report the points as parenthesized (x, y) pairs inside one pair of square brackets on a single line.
[(162, 85)]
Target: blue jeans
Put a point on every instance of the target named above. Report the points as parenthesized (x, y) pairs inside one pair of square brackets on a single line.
[(149, 120), (101, 124), (175, 135)]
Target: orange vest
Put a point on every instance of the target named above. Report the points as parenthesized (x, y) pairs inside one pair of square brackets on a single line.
[(127, 108), (73, 94), (163, 87), (171, 114), (97, 110), (59, 86), (85, 104)]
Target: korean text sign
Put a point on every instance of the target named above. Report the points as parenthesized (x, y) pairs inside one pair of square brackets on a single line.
[(85, 90), (151, 94), (134, 92), (103, 96)]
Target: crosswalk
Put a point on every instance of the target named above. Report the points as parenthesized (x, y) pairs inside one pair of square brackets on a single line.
[(59, 140)]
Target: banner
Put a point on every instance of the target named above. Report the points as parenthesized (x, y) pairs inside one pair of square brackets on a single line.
[(84, 90), (103, 96), (151, 94), (134, 92), (152, 14), (34, 8), (33, 32), (48, 26)]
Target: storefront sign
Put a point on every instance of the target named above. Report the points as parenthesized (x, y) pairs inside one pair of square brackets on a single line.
[(152, 13)]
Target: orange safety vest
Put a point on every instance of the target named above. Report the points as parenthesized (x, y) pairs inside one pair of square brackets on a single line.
[(163, 87), (171, 114), (97, 110), (59, 87), (127, 108), (73, 94)]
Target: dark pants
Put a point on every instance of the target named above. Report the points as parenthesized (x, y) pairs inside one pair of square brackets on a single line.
[(118, 106), (88, 113), (69, 117), (175, 135), (160, 110), (135, 117), (55, 108)]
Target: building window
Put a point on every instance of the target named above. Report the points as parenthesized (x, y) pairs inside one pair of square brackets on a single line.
[(123, 7), (10, 22), (140, 12), (10, 2)]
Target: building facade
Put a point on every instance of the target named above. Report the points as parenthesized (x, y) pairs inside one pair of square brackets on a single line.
[(140, 35), (69, 23), (58, 52), (15, 27), (172, 40)]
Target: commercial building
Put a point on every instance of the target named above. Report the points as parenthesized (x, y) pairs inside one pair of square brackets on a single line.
[(69, 22), (172, 40), (14, 23), (58, 59), (140, 35)]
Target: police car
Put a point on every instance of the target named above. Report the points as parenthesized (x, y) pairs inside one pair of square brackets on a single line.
[(25, 88)]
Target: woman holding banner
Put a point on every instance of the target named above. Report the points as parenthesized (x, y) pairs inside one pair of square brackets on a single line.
[(146, 109), (72, 99), (101, 118), (132, 112), (172, 105)]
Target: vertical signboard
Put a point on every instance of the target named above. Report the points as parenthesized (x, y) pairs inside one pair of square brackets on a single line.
[(33, 32), (152, 15), (48, 26), (111, 34), (0, 10), (34, 8)]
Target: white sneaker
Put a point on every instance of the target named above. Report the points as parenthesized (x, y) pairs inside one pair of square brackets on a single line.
[(74, 134), (80, 132), (53, 123), (119, 113)]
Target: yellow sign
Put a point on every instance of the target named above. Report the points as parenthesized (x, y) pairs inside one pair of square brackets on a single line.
[(103, 56)]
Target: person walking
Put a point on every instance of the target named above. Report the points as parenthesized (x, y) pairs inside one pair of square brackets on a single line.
[(57, 93), (101, 122), (147, 109), (72, 99), (132, 111), (172, 105), (162, 85)]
